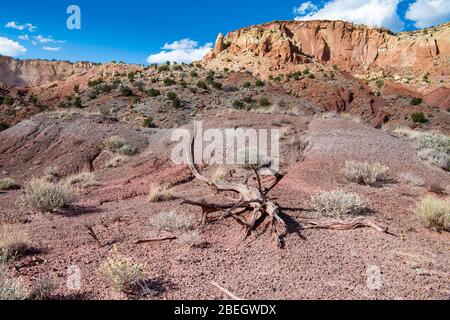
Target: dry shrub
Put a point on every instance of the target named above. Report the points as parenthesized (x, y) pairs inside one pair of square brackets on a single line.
[(83, 179), (118, 144), (190, 238), (44, 287), (115, 162), (436, 158), (364, 173), (14, 241), (435, 213), (412, 180), (121, 272), (338, 203), (11, 288), (8, 184), (46, 196), (174, 222), (159, 193)]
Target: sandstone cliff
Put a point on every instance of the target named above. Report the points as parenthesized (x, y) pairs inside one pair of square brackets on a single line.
[(266, 49), (38, 72)]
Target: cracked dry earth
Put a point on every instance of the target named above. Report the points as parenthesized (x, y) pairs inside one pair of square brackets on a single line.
[(315, 264)]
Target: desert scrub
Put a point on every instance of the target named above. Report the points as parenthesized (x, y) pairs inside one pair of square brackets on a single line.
[(14, 241), (436, 158), (8, 184), (364, 173), (118, 144), (11, 289), (435, 213), (159, 193), (190, 237), (115, 162), (46, 196), (412, 180), (419, 117), (83, 179), (339, 203), (43, 288), (173, 222), (121, 272)]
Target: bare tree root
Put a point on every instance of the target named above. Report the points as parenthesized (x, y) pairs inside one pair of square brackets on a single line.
[(251, 199), (356, 223)]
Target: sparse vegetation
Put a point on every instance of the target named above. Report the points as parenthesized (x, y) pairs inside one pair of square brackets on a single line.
[(159, 193), (148, 122), (435, 213), (238, 104), (264, 102), (419, 117), (14, 241), (364, 172), (43, 288), (3, 126), (8, 100), (126, 91), (83, 179), (416, 101), (115, 162), (153, 92), (412, 180), (46, 196), (173, 222), (169, 82), (339, 203), (11, 289), (260, 83), (121, 272), (202, 85), (8, 184), (118, 144)]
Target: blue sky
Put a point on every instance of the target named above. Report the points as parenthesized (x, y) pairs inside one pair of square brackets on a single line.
[(133, 30)]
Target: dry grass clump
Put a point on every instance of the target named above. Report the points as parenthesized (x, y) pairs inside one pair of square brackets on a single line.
[(435, 213), (8, 184), (364, 172), (83, 179), (121, 272), (412, 180), (339, 203), (173, 222), (159, 193), (119, 145), (436, 158), (115, 162), (11, 289), (43, 288), (46, 196), (14, 241), (433, 147), (190, 238)]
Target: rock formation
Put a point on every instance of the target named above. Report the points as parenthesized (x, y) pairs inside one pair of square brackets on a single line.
[(266, 49)]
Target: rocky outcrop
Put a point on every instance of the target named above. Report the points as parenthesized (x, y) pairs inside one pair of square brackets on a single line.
[(27, 73), (265, 49)]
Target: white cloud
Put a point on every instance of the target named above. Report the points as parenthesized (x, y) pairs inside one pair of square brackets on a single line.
[(48, 39), (185, 50), (427, 13), (11, 48), (51, 48), (380, 13), (21, 27), (305, 8), (24, 37)]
